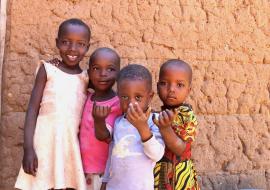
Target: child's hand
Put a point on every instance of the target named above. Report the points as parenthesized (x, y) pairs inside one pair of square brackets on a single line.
[(136, 116), (100, 112), (164, 119), (30, 162), (54, 62), (138, 119), (103, 186)]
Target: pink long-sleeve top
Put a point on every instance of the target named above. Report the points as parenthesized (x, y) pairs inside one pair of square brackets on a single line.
[(94, 152)]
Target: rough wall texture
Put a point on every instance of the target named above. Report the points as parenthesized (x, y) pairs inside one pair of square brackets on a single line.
[(227, 42)]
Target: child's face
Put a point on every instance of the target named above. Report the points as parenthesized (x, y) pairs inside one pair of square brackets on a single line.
[(173, 85), (73, 44), (131, 91), (103, 71)]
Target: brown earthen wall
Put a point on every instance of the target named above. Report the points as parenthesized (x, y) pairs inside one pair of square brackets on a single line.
[(227, 42)]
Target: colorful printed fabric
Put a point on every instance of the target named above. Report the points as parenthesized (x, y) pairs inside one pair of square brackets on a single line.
[(174, 172)]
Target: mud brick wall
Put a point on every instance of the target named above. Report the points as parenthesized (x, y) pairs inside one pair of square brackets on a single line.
[(227, 42)]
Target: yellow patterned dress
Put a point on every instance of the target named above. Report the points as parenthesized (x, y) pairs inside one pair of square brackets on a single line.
[(174, 172)]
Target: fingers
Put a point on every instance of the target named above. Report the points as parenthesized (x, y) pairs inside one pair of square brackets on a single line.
[(131, 113), (148, 111), (32, 170), (135, 109), (35, 165), (165, 118), (100, 111), (155, 120)]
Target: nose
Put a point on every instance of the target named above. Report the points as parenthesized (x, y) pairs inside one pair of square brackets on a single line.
[(171, 88), (103, 72), (131, 101), (73, 46)]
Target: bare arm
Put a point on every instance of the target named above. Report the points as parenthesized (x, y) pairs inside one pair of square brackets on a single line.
[(30, 159), (172, 141)]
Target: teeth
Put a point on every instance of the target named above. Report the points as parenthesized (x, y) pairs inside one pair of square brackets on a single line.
[(72, 57)]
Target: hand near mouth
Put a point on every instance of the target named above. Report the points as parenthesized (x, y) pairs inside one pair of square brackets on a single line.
[(138, 119)]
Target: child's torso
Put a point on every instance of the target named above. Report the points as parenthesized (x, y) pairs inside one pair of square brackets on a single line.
[(128, 160), (95, 152), (64, 94)]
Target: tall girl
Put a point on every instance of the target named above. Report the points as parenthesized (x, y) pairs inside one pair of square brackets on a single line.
[(51, 157)]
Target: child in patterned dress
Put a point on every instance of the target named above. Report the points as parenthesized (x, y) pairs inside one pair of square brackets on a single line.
[(177, 124)]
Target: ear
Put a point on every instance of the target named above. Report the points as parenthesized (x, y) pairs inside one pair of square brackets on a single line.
[(189, 88)]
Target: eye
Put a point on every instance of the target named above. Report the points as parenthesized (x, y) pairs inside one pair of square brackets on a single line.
[(180, 85), (162, 83), (110, 69), (65, 42), (138, 98), (124, 97), (81, 44), (94, 68)]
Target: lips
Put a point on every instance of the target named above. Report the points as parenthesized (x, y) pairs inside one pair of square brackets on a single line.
[(171, 98), (103, 82), (72, 57)]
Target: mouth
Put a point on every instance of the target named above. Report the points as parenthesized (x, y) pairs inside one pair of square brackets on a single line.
[(171, 97), (103, 82), (72, 57)]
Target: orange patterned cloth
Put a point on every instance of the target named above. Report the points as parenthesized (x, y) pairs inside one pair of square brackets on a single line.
[(174, 172)]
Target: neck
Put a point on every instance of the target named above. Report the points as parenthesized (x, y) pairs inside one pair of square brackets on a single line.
[(171, 107), (103, 95), (70, 67)]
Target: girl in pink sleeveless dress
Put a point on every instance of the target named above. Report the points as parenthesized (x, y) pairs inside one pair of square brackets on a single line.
[(52, 157)]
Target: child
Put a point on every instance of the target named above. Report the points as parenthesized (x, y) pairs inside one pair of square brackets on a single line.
[(177, 124), (51, 157), (100, 110), (137, 143)]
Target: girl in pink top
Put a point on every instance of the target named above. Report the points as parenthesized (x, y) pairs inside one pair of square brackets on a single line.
[(100, 110)]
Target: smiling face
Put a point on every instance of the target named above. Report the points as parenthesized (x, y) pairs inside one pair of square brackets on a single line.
[(73, 43), (103, 70), (131, 91), (173, 85)]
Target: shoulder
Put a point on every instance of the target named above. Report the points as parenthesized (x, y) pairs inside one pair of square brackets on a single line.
[(185, 114), (114, 103), (48, 68), (119, 120), (84, 76)]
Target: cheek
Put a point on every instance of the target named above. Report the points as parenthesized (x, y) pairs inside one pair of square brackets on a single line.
[(113, 76), (83, 51), (162, 92)]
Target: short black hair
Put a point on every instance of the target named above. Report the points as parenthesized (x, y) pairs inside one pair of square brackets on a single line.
[(135, 72), (178, 63), (73, 21), (104, 49)]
